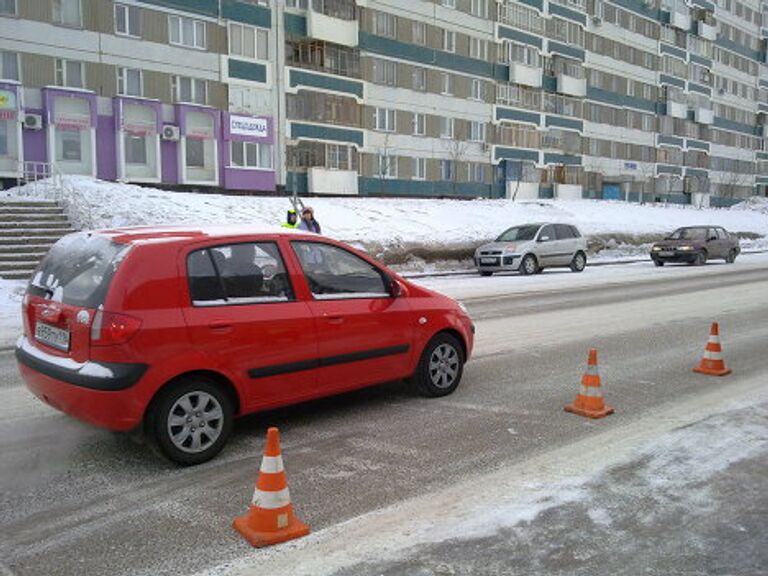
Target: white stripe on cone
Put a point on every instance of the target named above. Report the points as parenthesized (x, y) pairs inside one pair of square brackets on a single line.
[(272, 464), (271, 500)]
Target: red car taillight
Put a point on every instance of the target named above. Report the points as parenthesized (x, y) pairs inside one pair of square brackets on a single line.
[(111, 328)]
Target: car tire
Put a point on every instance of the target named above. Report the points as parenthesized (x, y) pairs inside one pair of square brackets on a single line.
[(657, 262), (731, 258), (529, 265), (440, 367), (199, 411), (701, 259), (579, 262), (486, 273)]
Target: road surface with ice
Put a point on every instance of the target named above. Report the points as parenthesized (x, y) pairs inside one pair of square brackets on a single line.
[(498, 464)]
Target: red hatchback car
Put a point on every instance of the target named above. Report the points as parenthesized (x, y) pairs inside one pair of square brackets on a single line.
[(177, 330)]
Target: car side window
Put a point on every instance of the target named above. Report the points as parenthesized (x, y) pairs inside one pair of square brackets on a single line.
[(242, 273), (575, 232), (563, 232), (334, 273), (547, 231), (721, 233)]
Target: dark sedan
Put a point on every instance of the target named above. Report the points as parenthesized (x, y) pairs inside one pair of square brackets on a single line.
[(696, 245)]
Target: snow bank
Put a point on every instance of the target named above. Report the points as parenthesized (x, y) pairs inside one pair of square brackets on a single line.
[(388, 222)]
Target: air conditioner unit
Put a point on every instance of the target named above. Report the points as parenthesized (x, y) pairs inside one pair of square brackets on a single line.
[(33, 122), (170, 132), (721, 91), (597, 20)]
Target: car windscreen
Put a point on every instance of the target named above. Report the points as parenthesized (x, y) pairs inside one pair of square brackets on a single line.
[(77, 270), (689, 234), (518, 234)]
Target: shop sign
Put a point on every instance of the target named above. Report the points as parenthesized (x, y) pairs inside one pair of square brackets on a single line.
[(66, 122), (137, 129), (7, 100), (248, 126)]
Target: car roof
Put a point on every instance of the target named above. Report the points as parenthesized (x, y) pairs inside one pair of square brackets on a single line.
[(186, 233)]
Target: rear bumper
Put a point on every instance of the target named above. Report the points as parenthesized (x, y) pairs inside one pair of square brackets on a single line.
[(98, 393)]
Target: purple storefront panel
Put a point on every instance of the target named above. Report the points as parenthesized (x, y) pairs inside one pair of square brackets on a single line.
[(35, 141), (239, 128), (106, 149)]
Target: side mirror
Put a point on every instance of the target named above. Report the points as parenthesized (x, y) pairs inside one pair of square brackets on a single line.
[(543, 238), (395, 289), (712, 238)]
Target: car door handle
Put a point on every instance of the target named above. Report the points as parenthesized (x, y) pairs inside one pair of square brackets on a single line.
[(220, 327), (333, 319)]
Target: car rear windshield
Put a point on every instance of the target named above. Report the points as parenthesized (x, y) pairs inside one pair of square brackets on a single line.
[(518, 233), (77, 270)]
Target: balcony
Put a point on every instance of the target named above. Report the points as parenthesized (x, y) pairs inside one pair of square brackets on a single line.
[(677, 109), (704, 115), (706, 30), (525, 75), (571, 85), (333, 21), (681, 20), (338, 182)]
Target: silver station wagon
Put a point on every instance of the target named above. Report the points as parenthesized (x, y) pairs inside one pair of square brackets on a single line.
[(532, 247)]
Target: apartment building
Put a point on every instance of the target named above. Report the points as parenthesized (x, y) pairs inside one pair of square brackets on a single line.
[(615, 99)]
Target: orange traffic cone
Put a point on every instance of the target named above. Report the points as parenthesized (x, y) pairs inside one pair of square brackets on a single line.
[(590, 401), (270, 518), (712, 362)]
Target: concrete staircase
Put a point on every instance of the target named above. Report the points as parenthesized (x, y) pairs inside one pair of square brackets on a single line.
[(27, 230)]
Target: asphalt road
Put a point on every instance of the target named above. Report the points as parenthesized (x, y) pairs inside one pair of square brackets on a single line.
[(80, 501)]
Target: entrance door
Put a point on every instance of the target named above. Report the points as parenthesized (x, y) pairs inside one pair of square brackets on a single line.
[(612, 192)]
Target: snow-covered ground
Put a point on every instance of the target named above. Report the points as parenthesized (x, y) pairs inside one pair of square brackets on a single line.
[(387, 226)]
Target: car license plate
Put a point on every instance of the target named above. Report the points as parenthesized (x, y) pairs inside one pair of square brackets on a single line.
[(666, 253), (487, 260), (52, 336)]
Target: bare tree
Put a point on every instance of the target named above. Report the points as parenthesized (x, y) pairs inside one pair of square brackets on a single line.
[(457, 151), (383, 152), (733, 181)]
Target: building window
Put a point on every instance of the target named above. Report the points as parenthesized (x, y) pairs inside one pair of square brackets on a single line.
[(420, 33), (71, 149), (251, 155), (447, 170), (385, 72), (479, 8), (476, 172), (135, 149), (419, 124), (248, 42), (522, 54), (478, 48), (189, 90), (340, 157), (446, 127), (128, 20), (130, 82), (9, 65), (385, 120), (448, 3), (67, 12), (477, 91), (477, 131), (386, 166), (420, 79), (187, 32), (195, 153), (70, 73), (419, 168), (385, 24), (300, 4), (4, 148), (449, 41), (446, 82), (8, 7)]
